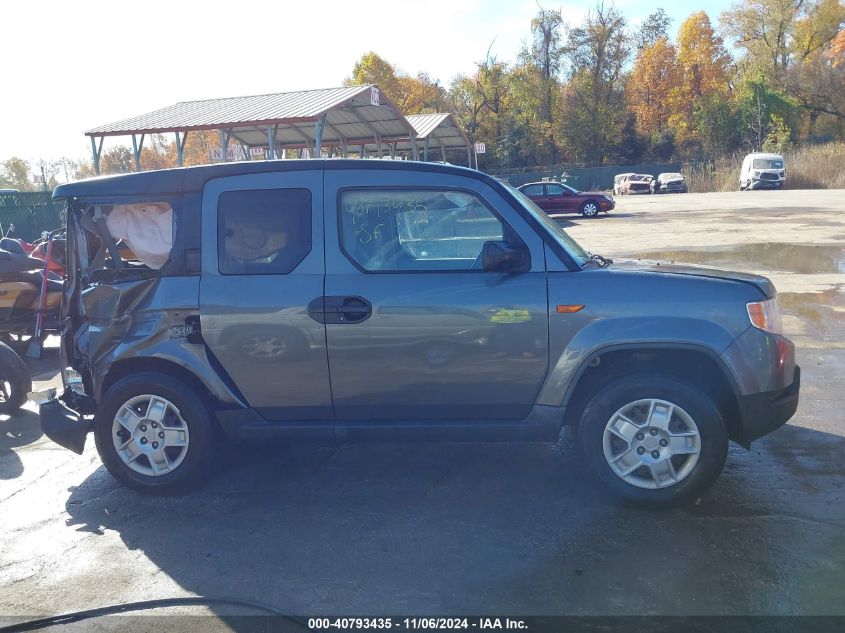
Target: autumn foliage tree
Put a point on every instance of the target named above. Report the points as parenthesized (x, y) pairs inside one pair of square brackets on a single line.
[(654, 78)]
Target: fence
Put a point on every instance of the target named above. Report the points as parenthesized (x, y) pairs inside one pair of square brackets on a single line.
[(30, 213), (584, 178)]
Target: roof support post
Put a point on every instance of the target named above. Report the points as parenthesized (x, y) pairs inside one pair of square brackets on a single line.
[(469, 157), (319, 125), (271, 141), (136, 150), (96, 151), (425, 149), (393, 150), (343, 148), (362, 153), (224, 144), (415, 154), (378, 143), (180, 148)]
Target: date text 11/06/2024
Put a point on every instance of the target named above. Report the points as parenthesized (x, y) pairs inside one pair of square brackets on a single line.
[(431, 623)]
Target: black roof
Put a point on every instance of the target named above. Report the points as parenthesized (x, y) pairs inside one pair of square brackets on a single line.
[(192, 179)]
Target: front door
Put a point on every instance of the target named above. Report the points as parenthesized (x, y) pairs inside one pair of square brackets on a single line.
[(262, 256), (416, 329), (562, 200)]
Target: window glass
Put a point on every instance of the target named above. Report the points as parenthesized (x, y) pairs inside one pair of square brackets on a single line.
[(554, 190), (533, 190), (416, 230), (767, 163), (263, 231)]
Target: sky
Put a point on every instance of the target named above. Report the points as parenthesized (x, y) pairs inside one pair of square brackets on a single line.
[(71, 66)]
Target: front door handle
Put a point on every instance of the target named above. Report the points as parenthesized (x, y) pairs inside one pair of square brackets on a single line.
[(340, 310)]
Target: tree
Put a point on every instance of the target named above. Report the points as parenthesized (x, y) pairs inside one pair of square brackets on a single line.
[(654, 76), (117, 160), (778, 138), (705, 69), (836, 52), (757, 103), (546, 54), (595, 103), (653, 28), (776, 34), (372, 69), (15, 174)]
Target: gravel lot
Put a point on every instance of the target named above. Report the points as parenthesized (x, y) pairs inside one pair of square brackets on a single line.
[(479, 528)]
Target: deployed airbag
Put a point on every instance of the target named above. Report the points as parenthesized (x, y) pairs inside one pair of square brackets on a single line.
[(146, 227)]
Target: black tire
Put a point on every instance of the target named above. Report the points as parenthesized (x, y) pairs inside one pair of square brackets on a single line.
[(706, 416), (590, 209), (199, 452), (15, 382)]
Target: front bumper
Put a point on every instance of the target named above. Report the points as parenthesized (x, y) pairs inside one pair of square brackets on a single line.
[(766, 184), (607, 205), (63, 425), (762, 413)]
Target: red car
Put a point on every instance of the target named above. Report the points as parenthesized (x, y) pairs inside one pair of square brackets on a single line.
[(553, 197), (636, 183)]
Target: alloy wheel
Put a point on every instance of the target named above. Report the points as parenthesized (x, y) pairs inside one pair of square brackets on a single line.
[(150, 435), (651, 443)]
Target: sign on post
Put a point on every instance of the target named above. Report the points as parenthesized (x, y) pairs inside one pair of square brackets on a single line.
[(480, 148), (374, 96)]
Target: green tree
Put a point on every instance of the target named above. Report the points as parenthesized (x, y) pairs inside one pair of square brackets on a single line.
[(15, 174), (778, 138), (757, 102), (595, 112), (653, 28)]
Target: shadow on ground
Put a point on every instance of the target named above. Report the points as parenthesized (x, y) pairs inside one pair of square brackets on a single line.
[(17, 429), (489, 528)]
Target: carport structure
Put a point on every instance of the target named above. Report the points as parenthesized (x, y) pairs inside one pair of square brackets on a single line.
[(437, 132), (353, 119)]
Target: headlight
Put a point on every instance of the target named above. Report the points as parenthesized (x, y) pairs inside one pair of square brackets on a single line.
[(765, 315), (73, 379)]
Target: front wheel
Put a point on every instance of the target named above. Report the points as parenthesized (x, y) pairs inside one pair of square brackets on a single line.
[(589, 209), (653, 439), (154, 433)]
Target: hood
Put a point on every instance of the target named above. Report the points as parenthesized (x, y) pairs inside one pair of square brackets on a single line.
[(672, 180), (763, 284)]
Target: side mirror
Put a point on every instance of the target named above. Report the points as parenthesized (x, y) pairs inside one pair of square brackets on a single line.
[(504, 258)]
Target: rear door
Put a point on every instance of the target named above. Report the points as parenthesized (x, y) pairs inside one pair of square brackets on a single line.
[(262, 256), (417, 330)]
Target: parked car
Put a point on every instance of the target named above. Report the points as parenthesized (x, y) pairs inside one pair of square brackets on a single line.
[(399, 299), (672, 182), (554, 197), (635, 183), (617, 182), (762, 171)]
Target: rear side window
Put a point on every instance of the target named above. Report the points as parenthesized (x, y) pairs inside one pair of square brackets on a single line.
[(416, 230), (263, 231), (533, 190)]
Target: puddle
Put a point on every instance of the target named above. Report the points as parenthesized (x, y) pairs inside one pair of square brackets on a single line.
[(797, 258)]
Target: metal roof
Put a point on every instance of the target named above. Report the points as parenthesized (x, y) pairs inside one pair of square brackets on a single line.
[(441, 126), (353, 114)]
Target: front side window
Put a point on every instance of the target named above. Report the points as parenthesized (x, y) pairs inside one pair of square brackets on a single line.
[(416, 230), (263, 231), (555, 190)]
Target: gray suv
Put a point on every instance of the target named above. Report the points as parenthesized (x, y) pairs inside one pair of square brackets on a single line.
[(351, 299)]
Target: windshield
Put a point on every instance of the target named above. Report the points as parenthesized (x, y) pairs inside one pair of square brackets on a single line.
[(671, 177), (767, 163), (571, 189), (572, 247)]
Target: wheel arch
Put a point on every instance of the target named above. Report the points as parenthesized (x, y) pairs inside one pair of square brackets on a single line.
[(693, 363)]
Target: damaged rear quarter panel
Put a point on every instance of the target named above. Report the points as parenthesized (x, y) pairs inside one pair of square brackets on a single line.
[(146, 319)]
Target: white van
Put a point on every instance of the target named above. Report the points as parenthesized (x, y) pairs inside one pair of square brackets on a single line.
[(762, 171)]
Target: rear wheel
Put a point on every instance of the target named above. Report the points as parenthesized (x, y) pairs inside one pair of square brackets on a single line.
[(15, 382), (589, 209), (154, 433), (653, 439)]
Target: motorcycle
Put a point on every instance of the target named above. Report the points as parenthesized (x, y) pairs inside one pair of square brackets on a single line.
[(22, 285)]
